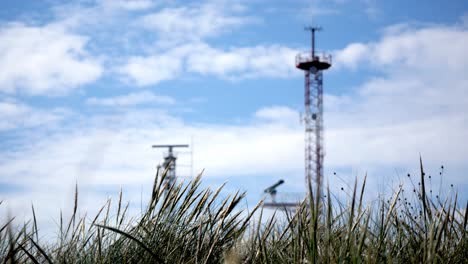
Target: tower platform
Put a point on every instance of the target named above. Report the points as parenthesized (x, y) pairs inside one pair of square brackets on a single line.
[(304, 61)]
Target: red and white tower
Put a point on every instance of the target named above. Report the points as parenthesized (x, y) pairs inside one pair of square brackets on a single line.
[(313, 64)]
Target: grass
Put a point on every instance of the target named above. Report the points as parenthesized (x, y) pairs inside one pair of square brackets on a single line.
[(187, 224)]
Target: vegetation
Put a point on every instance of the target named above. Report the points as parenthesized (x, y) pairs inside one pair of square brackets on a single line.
[(188, 225)]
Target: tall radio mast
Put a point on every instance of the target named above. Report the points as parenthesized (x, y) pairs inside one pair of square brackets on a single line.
[(313, 64)]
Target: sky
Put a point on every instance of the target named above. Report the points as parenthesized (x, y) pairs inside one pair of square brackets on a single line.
[(87, 86)]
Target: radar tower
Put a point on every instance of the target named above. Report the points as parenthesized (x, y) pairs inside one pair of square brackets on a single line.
[(169, 164)]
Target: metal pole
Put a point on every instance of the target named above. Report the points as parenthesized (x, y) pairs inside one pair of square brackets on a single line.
[(313, 43)]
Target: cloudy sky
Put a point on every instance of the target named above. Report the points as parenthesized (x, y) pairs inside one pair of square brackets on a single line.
[(86, 87)]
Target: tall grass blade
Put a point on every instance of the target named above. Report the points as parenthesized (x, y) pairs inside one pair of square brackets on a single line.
[(139, 242)]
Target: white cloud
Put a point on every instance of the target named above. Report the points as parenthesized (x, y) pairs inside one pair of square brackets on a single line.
[(259, 61), (16, 115), (44, 60), (281, 113), (130, 5), (179, 43), (423, 77), (417, 104), (137, 98), (399, 144), (181, 47), (350, 56), (100, 15), (273, 61), (315, 11), (193, 22), (317, 8), (88, 150), (151, 70), (404, 48)]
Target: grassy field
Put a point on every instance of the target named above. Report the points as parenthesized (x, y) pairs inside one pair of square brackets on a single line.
[(188, 224)]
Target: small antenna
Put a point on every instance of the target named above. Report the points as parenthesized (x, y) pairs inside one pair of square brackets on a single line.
[(312, 31)]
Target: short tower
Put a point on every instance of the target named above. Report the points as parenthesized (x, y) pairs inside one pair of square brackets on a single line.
[(169, 164)]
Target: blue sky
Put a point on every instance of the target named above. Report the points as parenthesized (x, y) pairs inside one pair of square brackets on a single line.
[(86, 87)]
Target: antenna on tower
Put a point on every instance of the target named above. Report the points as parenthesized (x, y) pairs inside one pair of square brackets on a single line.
[(312, 31), (169, 164), (313, 64)]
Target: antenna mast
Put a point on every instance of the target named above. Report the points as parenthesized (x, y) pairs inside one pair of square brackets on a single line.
[(313, 63)]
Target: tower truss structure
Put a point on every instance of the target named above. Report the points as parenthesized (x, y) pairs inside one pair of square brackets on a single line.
[(313, 64)]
